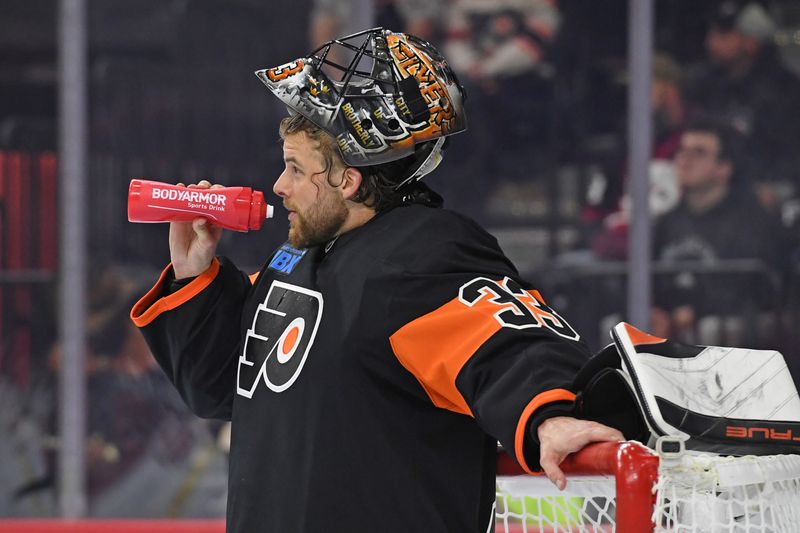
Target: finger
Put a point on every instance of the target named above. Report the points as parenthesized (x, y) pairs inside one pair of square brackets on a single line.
[(204, 184), (600, 432), (200, 226), (551, 469), (207, 233), (217, 186), (180, 184)]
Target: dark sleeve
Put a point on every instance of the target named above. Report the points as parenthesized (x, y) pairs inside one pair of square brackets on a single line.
[(484, 345), (193, 331)]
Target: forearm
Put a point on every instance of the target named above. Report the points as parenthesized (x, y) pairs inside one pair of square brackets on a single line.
[(192, 328)]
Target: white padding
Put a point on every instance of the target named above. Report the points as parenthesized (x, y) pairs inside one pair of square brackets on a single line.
[(721, 382)]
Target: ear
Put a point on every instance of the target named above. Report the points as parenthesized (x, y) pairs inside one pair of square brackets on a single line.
[(351, 181)]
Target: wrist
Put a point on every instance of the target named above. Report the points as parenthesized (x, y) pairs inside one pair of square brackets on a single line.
[(545, 414), (183, 271)]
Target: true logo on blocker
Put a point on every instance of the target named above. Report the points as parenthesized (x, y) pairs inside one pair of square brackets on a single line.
[(279, 338)]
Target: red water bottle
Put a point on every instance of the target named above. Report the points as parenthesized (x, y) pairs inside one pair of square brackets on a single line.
[(236, 208)]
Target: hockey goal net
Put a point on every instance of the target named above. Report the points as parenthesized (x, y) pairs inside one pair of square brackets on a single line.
[(628, 488)]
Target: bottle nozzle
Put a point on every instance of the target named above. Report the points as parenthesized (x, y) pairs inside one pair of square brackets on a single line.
[(270, 211)]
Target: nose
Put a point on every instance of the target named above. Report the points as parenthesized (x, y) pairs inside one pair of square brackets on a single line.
[(280, 187)]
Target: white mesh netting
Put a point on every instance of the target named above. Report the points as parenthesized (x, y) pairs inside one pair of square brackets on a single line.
[(693, 494), (532, 504), (712, 494)]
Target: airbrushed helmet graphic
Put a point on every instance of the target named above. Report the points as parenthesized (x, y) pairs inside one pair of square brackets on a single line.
[(382, 95)]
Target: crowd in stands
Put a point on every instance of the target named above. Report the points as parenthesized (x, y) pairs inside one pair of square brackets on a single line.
[(724, 178)]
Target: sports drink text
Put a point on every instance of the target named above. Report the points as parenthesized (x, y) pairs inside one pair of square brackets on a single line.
[(195, 199)]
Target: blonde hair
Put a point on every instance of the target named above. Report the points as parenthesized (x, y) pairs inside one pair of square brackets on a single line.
[(326, 144), (377, 189)]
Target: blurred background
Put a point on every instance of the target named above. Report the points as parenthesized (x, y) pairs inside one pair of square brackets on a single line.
[(172, 97)]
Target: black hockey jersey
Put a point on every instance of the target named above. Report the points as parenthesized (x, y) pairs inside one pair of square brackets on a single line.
[(368, 380)]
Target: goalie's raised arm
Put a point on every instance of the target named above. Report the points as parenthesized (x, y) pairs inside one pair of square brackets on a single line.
[(562, 435)]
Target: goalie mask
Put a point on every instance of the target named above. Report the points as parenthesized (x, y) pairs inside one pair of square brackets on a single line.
[(379, 94)]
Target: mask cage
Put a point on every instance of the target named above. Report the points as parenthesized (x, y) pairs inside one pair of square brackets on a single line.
[(356, 62)]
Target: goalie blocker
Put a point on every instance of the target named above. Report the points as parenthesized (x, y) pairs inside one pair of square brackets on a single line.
[(733, 401)]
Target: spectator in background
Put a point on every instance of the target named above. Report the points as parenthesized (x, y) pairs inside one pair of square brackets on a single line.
[(744, 84), (499, 49), (493, 41), (610, 241), (717, 219)]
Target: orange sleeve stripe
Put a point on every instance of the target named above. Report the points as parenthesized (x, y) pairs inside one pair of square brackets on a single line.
[(435, 347), (150, 305), (550, 396), (640, 337)]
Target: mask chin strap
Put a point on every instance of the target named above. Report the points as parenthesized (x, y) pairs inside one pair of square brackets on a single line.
[(427, 165)]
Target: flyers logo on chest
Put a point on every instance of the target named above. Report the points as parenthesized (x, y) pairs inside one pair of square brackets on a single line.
[(278, 340)]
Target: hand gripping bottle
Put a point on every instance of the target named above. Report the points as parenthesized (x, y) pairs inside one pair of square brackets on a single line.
[(236, 208)]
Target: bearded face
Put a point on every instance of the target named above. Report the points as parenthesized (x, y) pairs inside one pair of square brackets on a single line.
[(320, 222), (317, 210)]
